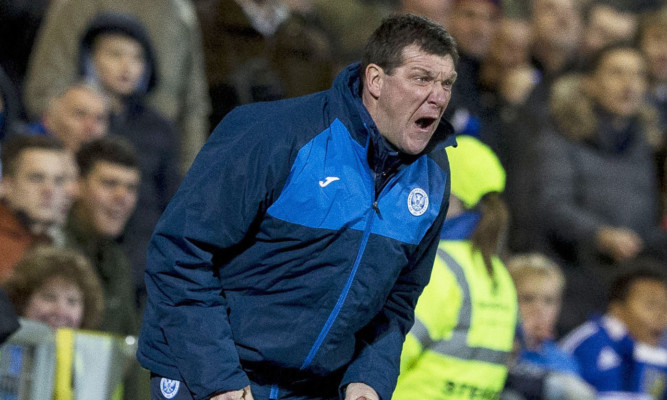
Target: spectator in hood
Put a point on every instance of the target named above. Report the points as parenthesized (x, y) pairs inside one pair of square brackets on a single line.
[(181, 92), (116, 54)]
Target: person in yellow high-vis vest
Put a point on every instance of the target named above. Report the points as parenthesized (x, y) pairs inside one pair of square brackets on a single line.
[(466, 317)]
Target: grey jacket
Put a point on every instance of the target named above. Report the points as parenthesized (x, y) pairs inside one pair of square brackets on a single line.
[(590, 174)]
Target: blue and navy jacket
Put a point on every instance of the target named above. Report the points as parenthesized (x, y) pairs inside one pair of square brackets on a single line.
[(299, 241), (615, 363)]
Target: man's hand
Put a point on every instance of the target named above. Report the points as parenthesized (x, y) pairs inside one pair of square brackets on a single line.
[(620, 243), (242, 394), (360, 391)]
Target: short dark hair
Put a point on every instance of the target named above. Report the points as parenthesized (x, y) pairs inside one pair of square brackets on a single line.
[(642, 268), (386, 44), (596, 59), (14, 146), (112, 149)]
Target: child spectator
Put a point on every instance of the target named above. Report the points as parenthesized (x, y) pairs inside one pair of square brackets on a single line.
[(541, 369), (619, 352), (539, 285), (116, 55), (57, 287)]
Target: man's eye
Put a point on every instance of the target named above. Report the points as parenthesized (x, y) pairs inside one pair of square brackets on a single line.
[(50, 297), (36, 178)]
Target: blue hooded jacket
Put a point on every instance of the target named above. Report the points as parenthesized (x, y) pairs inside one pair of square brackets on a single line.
[(300, 241)]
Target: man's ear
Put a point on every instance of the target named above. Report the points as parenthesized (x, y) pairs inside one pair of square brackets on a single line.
[(374, 78)]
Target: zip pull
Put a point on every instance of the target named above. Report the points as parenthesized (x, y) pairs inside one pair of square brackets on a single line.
[(377, 209)]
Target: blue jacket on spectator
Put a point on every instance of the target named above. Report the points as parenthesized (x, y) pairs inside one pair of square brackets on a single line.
[(550, 358), (614, 363)]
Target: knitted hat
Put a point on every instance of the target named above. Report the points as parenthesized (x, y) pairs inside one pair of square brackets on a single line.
[(475, 170)]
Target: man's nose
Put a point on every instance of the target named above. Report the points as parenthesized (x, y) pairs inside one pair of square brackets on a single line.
[(122, 193), (61, 309), (48, 189), (439, 95)]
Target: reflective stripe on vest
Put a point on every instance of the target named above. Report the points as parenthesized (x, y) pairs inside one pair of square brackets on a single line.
[(457, 345)]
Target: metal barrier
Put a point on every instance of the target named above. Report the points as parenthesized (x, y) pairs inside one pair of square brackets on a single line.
[(27, 363), (38, 364), (91, 365)]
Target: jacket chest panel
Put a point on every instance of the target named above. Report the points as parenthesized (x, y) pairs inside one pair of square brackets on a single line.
[(331, 187)]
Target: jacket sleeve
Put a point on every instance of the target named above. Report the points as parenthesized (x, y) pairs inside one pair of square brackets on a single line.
[(378, 360), (219, 203)]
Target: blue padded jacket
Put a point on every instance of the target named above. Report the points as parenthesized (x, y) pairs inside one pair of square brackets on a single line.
[(300, 241)]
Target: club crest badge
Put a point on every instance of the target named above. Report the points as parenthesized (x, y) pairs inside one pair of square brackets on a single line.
[(169, 388), (417, 202)]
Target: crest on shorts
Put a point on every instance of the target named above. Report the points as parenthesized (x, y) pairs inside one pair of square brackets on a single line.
[(169, 388), (417, 202)]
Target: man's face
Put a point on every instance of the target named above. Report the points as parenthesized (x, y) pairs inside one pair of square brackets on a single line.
[(109, 195), (645, 310), (57, 303), (605, 26), (539, 306), (511, 44), (41, 175), (556, 23), (119, 63), (654, 46), (619, 83), (411, 100), (79, 116), (473, 24)]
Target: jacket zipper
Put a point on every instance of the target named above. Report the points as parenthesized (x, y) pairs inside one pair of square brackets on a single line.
[(348, 284)]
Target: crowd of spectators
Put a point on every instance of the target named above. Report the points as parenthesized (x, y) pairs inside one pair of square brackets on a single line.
[(105, 103)]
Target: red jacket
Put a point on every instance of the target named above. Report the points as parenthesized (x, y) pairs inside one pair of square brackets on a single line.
[(15, 239)]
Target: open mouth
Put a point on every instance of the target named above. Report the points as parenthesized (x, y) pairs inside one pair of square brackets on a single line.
[(425, 122)]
